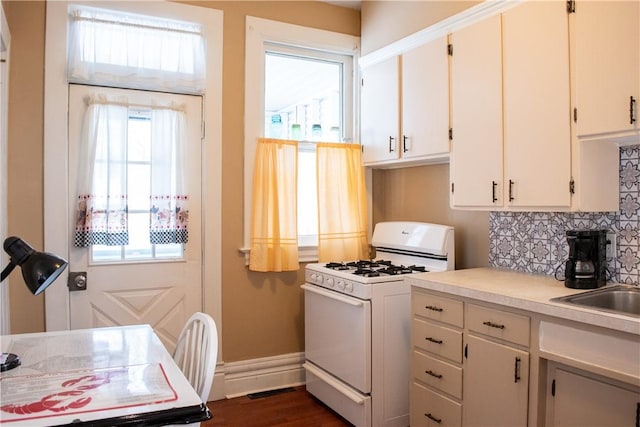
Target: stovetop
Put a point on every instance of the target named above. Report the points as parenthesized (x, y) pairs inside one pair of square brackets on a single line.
[(360, 278), (375, 268), (401, 248)]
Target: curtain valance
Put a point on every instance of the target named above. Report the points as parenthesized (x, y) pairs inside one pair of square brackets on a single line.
[(110, 48)]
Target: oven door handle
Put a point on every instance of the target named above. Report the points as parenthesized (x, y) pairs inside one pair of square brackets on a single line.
[(335, 384), (333, 295)]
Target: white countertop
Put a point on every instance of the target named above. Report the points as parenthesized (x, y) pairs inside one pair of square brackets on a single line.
[(522, 291)]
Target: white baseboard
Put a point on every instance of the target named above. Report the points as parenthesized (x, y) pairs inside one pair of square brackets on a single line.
[(249, 376)]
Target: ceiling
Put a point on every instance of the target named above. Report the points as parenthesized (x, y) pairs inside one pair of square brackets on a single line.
[(351, 4)]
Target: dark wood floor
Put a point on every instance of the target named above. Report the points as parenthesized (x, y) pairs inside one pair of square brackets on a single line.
[(295, 408)]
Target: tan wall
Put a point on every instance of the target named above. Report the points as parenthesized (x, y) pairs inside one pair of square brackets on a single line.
[(421, 193), (262, 313), (387, 21), (25, 150)]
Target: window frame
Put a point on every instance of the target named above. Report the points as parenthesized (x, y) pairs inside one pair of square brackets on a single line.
[(261, 34)]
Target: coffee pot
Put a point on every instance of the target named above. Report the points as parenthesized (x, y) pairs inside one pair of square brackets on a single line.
[(586, 266)]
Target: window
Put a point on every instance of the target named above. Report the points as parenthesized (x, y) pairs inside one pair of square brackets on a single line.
[(306, 77), (138, 174), (305, 101)]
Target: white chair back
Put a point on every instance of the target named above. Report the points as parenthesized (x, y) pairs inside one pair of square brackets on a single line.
[(197, 351)]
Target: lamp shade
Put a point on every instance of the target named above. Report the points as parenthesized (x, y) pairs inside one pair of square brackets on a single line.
[(39, 269)]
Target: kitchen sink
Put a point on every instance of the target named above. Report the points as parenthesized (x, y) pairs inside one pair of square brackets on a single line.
[(621, 299)]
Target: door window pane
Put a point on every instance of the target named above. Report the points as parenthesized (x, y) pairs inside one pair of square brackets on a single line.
[(138, 188)]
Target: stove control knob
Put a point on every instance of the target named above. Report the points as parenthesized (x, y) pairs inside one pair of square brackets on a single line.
[(330, 282), (316, 278), (340, 285), (349, 287)]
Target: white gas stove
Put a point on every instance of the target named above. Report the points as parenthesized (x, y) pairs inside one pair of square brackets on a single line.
[(357, 322), (401, 248)]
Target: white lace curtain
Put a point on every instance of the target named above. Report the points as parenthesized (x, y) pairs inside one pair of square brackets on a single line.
[(101, 217), (110, 48)]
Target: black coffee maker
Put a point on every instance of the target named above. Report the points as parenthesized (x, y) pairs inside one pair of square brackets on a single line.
[(586, 266)]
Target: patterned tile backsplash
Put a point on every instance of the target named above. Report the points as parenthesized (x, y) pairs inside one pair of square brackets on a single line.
[(535, 242)]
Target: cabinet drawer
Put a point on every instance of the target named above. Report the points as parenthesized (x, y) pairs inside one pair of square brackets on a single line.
[(436, 339), (438, 374), (499, 324), (438, 308), (431, 409)]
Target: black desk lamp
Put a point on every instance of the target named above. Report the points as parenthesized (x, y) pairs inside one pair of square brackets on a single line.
[(39, 270)]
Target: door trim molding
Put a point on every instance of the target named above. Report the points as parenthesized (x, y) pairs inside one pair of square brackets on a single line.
[(57, 237)]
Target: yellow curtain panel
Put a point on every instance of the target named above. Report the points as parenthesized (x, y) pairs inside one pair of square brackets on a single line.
[(342, 205), (274, 234)]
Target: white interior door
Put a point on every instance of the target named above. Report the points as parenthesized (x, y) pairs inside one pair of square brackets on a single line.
[(154, 289)]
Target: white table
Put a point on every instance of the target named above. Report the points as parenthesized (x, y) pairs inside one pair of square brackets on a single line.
[(99, 377)]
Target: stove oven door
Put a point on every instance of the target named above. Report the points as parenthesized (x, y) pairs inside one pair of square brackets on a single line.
[(338, 335)]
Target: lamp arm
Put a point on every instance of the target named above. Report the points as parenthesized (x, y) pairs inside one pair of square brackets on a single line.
[(7, 270)]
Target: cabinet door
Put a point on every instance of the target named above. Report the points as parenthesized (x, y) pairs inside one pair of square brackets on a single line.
[(476, 97), (495, 384), (537, 126), (581, 401), (380, 111), (607, 72), (425, 100)]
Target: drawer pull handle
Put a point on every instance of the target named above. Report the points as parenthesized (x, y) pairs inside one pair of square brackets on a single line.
[(432, 418), (433, 340), (433, 308), (433, 374), (516, 374), (493, 325)]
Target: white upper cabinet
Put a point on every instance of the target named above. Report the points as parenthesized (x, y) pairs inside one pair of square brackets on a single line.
[(380, 109), (476, 105), (537, 125), (405, 107), (511, 146), (425, 100), (606, 52)]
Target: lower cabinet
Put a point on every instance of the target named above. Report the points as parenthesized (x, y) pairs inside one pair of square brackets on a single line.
[(470, 363), (578, 398), (496, 384)]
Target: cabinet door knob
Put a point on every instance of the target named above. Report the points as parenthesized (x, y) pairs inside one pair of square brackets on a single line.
[(404, 143), (493, 191), (391, 149), (632, 110), (433, 340), (433, 308)]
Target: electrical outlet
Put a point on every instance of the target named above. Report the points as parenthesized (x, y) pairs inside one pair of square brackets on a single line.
[(611, 245)]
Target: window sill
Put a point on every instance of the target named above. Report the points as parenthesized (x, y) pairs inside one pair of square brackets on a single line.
[(305, 254)]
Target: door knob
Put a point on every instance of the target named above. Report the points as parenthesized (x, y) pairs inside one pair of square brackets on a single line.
[(77, 281)]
